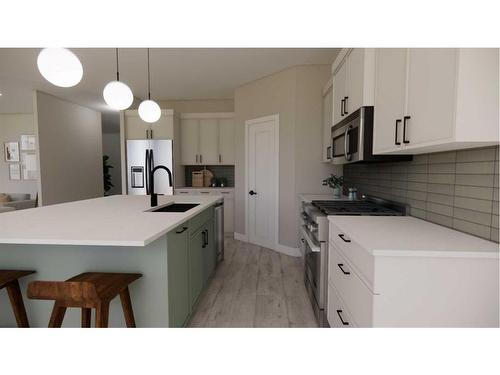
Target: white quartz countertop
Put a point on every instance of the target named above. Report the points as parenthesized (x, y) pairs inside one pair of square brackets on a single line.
[(118, 220), (410, 236), (308, 198)]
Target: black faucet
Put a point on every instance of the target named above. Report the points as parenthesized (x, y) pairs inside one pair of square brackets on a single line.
[(150, 162)]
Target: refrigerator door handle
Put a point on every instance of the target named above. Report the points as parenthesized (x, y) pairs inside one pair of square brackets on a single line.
[(146, 164)]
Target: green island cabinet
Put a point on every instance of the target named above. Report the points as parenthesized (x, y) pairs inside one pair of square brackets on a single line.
[(191, 262)]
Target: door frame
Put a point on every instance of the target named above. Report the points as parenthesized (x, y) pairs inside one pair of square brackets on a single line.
[(248, 123)]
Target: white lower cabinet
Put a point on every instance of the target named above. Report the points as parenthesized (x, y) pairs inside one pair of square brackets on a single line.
[(228, 196), (381, 274)]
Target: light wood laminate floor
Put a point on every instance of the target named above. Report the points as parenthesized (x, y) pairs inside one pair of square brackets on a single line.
[(254, 287)]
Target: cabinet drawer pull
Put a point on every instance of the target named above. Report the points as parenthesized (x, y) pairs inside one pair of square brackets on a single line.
[(344, 239), (339, 312), (343, 271), (201, 158), (204, 192), (203, 239), (182, 230), (396, 133), (342, 107), (197, 158), (345, 105), (220, 158), (405, 119), (183, 192)]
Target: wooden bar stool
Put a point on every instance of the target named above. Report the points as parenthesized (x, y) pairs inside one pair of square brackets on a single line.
[(89, 290), (9, 280)]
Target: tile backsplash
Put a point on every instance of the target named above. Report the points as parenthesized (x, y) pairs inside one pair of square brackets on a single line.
[(226, 171), (457, 189)]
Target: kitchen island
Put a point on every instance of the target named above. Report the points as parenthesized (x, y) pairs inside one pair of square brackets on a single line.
[(174, 251)]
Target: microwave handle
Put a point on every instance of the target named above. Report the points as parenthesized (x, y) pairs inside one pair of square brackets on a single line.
[(347, 155)]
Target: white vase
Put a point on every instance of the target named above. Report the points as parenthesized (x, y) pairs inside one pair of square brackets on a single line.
[(336, 192)]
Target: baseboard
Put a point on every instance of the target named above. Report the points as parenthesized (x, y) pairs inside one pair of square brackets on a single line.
[(240, 237), (287, 250)]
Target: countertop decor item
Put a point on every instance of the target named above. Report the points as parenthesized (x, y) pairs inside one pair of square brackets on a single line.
[(334, 182)]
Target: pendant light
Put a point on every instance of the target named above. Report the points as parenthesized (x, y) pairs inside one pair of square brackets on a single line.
[(149, 110), (117, 94), (60, 66)]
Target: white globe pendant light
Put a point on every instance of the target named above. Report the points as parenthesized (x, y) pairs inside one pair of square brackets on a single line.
[(60, 66), (149, 110), (117, 94)]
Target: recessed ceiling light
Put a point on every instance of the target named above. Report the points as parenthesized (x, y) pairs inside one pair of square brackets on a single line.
[(60, 66)]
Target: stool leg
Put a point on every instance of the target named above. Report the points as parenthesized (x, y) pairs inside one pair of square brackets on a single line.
[(127, 308), (86, 317), (57, 316), (101, 315), (16, 301)]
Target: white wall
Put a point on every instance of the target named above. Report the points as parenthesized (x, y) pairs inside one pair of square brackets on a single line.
[(296, 94), (111, 147), (12, 126), (69, 150)]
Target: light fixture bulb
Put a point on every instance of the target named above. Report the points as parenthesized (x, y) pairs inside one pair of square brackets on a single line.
[(60, 66), (118, 95), (149, 111)]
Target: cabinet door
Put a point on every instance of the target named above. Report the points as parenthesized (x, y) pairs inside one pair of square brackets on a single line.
[(189, 141), (228, 215), (390, 91), (339, 82), (431, 94), (178, 276), (135, 128), (163, 128), (226, 141), (209, 142), (209, 251), (327, 124), (196, 269), (355, 80)]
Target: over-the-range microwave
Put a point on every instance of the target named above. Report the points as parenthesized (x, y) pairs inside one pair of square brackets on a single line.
[(352, 140)]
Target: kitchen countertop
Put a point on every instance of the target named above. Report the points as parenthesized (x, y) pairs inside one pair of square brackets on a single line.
[(410, 236), (118, 220), (321, 197)]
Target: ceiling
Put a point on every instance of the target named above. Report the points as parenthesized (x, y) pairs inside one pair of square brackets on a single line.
[(194, 73)]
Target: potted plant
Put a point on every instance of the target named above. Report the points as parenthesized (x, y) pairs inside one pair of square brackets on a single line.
[(334, 182), (106, 174)]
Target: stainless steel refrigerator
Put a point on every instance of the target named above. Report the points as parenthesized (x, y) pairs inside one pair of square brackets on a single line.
[(137, 176)]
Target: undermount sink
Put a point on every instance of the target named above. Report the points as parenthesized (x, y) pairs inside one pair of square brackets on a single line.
[(176, 207)]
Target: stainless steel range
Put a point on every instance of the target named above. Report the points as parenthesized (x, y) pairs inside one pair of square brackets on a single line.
[(314, 238)]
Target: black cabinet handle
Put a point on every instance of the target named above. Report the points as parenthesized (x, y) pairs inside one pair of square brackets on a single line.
[(203, 239), (344, 239), (341, 319), (405, 119), (343, 271), (342, 107), (206, 237), (182, 230), (396, 133), (251, 192), (345, 105)]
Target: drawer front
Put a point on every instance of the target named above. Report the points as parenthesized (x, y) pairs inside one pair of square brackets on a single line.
[(337, 314), (356, 295), (362, 260), (185, 192), (226, 193), (196, 222)]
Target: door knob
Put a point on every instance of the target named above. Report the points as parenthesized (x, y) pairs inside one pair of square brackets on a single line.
[(251, 192)]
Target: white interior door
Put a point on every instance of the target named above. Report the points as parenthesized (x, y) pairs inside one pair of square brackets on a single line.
[(262, 182)]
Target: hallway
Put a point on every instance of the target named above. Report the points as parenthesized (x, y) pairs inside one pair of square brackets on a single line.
[(255, 287)]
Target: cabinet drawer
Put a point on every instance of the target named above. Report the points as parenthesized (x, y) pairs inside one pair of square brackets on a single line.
[(199, 220), (358, 298), (338, 316), (362, 260), (225, 193), (185, 192)]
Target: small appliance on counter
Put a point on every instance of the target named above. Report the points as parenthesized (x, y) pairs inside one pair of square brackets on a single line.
[(314, 240)]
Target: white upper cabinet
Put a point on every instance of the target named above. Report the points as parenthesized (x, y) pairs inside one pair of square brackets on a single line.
[(327, 120), (353, 81), (207, 138), (450, 100), (209, 141), (390, 91), (135, 128), (226, 141), (189, 141)]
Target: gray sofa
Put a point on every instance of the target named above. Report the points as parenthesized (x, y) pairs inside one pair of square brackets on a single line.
[(18, 202)]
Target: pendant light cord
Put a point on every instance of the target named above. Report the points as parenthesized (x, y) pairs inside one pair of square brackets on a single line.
[(117, 70), (149, 80)]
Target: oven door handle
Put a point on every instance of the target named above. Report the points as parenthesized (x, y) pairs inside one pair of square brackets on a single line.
[(347, 155), (314, 247)]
